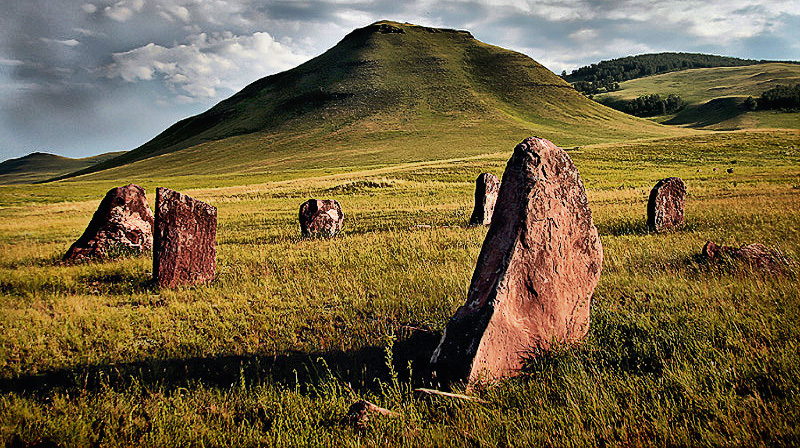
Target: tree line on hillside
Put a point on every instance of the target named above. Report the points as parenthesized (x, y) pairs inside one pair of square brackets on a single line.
[(784, 97), (648, 105), (606, 75)]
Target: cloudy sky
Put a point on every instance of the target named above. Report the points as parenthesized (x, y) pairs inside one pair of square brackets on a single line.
[(82, 77)]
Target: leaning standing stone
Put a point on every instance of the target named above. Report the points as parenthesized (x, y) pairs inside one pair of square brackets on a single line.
[(486, 188), (122, 223), (665, 206), (535, 275), (185, 250), (321, 218)]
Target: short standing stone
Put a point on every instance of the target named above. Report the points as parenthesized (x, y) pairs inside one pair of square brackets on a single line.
[(321, 217), (123, 223), (185, 249), (486, 188), (535, 275), (757, 256), (665, 206)]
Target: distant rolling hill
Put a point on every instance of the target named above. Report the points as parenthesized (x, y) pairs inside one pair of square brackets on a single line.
[(387, 93), (40, 166), (639, 66), (715, 95)]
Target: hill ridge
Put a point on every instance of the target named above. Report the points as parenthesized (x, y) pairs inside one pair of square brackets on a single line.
[(390, 76)]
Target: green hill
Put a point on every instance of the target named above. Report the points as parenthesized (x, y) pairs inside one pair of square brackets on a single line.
[(605, 74), (715, 95), (387, 93), (40, 166)]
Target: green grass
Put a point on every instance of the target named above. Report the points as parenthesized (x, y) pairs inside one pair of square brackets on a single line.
[(293, 331), (714, 95)]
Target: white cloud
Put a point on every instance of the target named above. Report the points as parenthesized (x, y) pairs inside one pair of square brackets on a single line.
[(10, 62), (89, 8), (123, 10), (66, 43), (584, 35), (715, 20), (207, 65)]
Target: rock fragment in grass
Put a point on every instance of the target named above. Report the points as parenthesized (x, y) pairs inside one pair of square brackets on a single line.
[(535, 275), (486, 187), (358, 415), (665, 205), (122, 224), (321, 218), (757, 256), (185, 248)]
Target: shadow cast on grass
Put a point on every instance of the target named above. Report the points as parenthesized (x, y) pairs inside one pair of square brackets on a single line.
[(362, 369)]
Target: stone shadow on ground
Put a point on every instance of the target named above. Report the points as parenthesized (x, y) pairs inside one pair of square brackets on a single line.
[(362, 369)]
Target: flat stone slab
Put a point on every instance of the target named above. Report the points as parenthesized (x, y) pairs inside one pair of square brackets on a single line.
[(665, 205), (486, 187), (122, 224), (535, 274), (321, 218), (756, 255), (185, 249)]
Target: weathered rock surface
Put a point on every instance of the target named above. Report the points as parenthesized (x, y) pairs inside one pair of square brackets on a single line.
[(757, 256), (122, 223), (359, 414), (486, 187), (185, 248), (535, 275), (666, 204), (321, 218)]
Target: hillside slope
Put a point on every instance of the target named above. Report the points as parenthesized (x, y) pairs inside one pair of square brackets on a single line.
[(591, 79), (392, 83), (715, 95), (40, 166)]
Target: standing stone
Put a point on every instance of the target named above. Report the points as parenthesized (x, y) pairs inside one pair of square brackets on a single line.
[(486, 188), (665, 206), (756, 255), (535, 275), (185, 248), (122, 223), (321, 218)]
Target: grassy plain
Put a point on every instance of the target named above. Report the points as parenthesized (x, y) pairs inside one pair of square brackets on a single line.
[(293, 331)]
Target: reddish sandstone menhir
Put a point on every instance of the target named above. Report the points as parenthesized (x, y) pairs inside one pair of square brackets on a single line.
[(665, 205), (185, 250), (486, 187), (535, 275), (757, 256), (123, 222), (320, 218)]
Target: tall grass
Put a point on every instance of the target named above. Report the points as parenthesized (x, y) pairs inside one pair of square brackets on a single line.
[(293, 331)]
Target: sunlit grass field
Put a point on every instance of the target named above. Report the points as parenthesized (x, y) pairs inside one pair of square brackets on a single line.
[(293, 331)]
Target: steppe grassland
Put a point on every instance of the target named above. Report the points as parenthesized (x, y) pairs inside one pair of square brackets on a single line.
[(293, 330)]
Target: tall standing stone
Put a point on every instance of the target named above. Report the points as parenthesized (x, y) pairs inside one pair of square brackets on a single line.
[(535, 275), (486, 187), (321, 218), (185, 249), (665, 205), (123, 222)]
